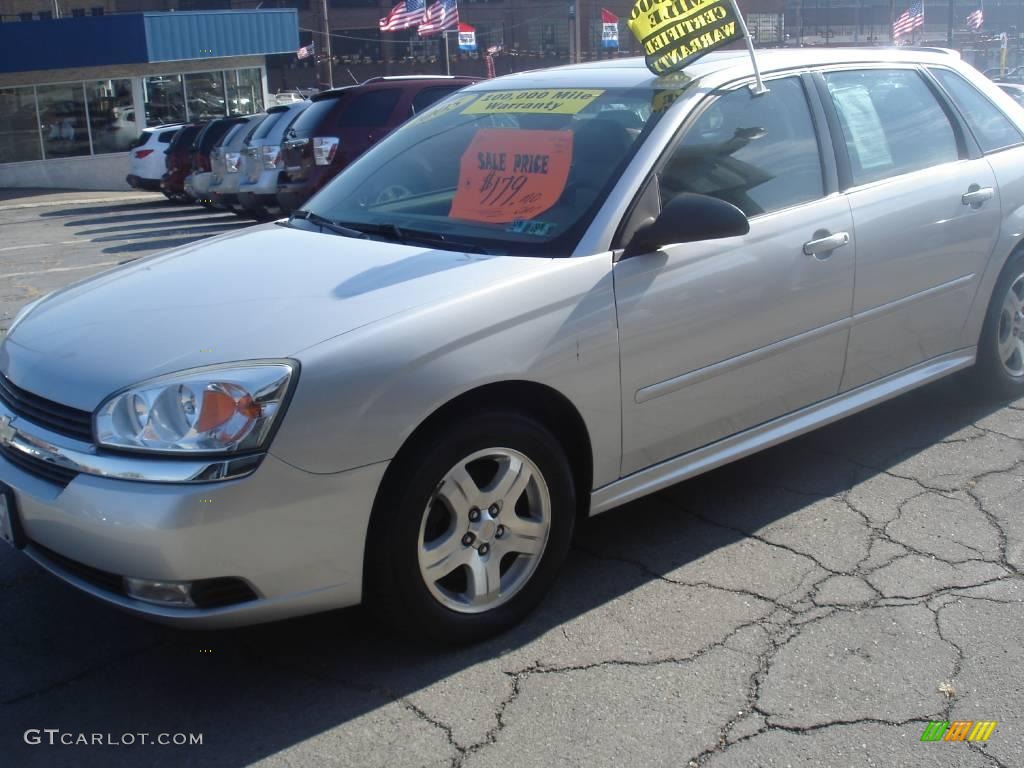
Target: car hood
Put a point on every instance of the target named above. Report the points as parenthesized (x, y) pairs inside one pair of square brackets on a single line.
[(267, 292)]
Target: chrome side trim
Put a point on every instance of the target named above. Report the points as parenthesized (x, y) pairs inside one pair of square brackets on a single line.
[(774, 432), (927, 293), (668, 386), (40, 444)]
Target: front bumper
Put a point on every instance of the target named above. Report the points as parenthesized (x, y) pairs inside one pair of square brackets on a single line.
[(295, 538)]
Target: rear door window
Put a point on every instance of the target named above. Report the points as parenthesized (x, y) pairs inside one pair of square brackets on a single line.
[(370, 110), (166, 136), (308, 122), (892, 123), (759, 153), (428, 96), (265, 127), (990, 127)]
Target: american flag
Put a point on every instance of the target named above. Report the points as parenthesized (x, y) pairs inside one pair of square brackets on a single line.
[(306, 51), (975, 19), (407, 13), (442, 15), (911, 19)]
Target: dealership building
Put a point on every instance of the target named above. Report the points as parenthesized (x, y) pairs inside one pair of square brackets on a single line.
[(76, 91)]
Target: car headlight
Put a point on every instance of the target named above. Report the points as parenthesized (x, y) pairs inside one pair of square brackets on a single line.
[(220, 409)]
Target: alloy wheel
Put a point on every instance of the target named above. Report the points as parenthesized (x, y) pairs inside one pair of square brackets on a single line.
[(484, 530), (1011, 329)]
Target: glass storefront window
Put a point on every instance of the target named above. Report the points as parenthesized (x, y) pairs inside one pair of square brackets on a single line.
[(165, 99), (205, 96), (98, 116), (245, 92), (111, 115), (63, 120), (19, 129)]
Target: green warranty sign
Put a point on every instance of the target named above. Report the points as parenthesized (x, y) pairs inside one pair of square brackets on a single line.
[(676, 32)]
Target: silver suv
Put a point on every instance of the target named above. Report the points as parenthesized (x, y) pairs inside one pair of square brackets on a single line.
[(548, 295), (261, 160)]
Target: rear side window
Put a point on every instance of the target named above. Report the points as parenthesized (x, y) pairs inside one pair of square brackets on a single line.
[(184, 137), (308, 123), (427, 97), (213, 133), (370, 110), (1017, 94), (990, 126), (265, 127), (892, 123), (759, 153), (166, 136)]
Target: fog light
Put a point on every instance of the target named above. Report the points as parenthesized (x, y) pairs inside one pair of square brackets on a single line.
[(177, 593)]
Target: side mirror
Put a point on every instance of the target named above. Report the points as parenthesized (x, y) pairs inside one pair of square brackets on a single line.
[(688, 218)]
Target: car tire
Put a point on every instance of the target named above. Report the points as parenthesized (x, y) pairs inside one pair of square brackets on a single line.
[(999, 370), (479, 585)]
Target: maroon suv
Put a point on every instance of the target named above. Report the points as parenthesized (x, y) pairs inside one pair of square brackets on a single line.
[(343, 123), (179, 162)]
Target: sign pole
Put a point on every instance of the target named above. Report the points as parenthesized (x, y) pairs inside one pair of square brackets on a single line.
[(759, 88), (447, 58), (576, 34)]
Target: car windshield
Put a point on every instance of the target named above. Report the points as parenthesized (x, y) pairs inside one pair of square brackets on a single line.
[(518, 172)]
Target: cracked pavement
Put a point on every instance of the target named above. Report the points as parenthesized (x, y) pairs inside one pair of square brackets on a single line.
[(813, 605)]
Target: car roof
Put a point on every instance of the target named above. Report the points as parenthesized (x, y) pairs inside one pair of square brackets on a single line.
[(633, 72), (395, 81)]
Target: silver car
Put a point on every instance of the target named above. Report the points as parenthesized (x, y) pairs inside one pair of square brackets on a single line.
[(550, 294)]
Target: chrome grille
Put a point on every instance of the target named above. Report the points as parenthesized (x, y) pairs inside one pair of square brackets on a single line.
[(51, 415)]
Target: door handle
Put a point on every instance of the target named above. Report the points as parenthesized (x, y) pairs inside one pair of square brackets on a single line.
[(823, 244), (976, 196)]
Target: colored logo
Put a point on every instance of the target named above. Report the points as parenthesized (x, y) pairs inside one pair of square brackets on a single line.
[(958, 730)]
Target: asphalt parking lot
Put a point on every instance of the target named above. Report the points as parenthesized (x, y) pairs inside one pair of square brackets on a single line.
[(814, 605)]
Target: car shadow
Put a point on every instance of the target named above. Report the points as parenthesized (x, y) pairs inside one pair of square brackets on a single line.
[(216, 228), (107, 208), (256, 691), (190, 219), (162, 244)]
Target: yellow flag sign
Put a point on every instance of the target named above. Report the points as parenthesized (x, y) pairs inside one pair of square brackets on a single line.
[(676, 32)]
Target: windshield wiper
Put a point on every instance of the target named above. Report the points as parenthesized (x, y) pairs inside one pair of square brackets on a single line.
[(403, 235), (325, 223)]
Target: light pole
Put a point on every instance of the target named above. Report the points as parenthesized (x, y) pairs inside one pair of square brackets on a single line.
[(326, 71)]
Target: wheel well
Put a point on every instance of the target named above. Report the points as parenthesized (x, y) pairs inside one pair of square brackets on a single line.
[(550, 407)]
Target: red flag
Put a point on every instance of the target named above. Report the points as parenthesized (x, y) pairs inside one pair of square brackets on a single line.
[(607, 17)]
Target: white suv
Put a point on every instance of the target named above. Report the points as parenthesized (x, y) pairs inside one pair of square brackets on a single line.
[(149, 156)]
